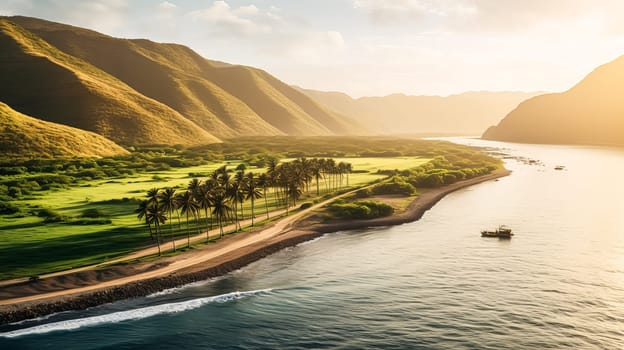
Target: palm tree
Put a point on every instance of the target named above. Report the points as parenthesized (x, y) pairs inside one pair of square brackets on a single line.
[(242, 184), (155, 215), (342, 169), (204, 199), (141, 212), (152, 195), (220, 207), (330, 168), (294, 192), (263, 181), (168, 204), (316, 171), (152, 199), (252, 192), (193, 186), (236, 195), (349, 170), (187, 204)]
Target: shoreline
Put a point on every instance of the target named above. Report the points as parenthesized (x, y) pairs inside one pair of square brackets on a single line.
[(228, 262)]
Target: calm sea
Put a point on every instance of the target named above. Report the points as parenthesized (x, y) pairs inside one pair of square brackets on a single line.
[(431, 284)]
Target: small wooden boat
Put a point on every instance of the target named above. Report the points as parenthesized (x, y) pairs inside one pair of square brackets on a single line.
[(559, 167), (501, 232)]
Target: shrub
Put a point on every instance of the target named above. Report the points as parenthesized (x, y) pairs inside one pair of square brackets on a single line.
[(363, 193), (50, 216), (350, 211), (378, 209), (89, 222), (305, 205), (8, 208), (360, 210), (396, 186), (53, 219), (14, 192), (91, 213)]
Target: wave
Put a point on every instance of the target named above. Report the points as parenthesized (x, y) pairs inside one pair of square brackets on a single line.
[(182, 288), (134, 314)]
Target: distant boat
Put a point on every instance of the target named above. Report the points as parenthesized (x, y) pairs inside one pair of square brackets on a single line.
[(559, 167), (501, 232)]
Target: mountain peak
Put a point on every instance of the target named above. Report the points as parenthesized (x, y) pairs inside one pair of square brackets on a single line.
[(591, 112)]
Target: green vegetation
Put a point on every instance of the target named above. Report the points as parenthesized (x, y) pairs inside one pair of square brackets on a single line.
[(359, 210), (220, 195), (441, 170), (87, 205), (396, 185)]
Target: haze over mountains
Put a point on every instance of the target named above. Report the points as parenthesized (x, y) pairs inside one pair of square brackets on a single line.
[(591, 112), (464, 114)]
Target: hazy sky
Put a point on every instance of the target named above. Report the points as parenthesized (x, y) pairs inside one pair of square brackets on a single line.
[(373, 47)]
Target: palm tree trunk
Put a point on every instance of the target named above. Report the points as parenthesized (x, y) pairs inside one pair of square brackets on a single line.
[(266, 204), (220, 224), (235, 216), (171, 227), (210, 213), (188, 231), (242, 217), (317, 186), (197, 222), (149, 226), (207, 229), (157, 235), (252, 210)]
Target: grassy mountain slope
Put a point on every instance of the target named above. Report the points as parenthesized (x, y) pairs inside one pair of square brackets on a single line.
[(468, 113), (40, 80), (23, 135), (591, 112), (223, 99)]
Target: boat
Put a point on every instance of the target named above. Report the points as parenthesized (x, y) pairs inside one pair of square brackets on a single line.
[(501, 232), (559, 167)]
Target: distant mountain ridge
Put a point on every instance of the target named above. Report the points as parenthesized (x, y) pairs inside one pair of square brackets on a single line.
[(141, 92), (591, 112), (466, 114)]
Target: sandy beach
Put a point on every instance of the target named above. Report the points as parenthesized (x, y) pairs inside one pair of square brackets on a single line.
[(94, 286)]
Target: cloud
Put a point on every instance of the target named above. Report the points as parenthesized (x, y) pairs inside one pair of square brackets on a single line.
[(222, 19), (267, 31), (306, 47), (494, 16), (100, 15), (166, 5), (15, 7), (390, 11)]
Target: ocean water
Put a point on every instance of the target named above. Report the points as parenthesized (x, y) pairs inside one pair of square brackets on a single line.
[(431, 284)]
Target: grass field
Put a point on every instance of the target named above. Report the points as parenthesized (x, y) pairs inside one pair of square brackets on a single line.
[(29, 247)]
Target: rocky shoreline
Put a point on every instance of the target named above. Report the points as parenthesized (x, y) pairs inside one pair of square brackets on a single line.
[(228, 263)]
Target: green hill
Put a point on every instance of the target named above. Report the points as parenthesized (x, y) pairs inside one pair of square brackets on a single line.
[(463, 114), (223, 99), (23, 135), (591, 112), (42, 81)]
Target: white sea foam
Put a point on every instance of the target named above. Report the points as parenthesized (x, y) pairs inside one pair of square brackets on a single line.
[(135, 314), (181, 288)]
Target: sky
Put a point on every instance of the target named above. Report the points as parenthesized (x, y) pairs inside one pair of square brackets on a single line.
[(373, 47)]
